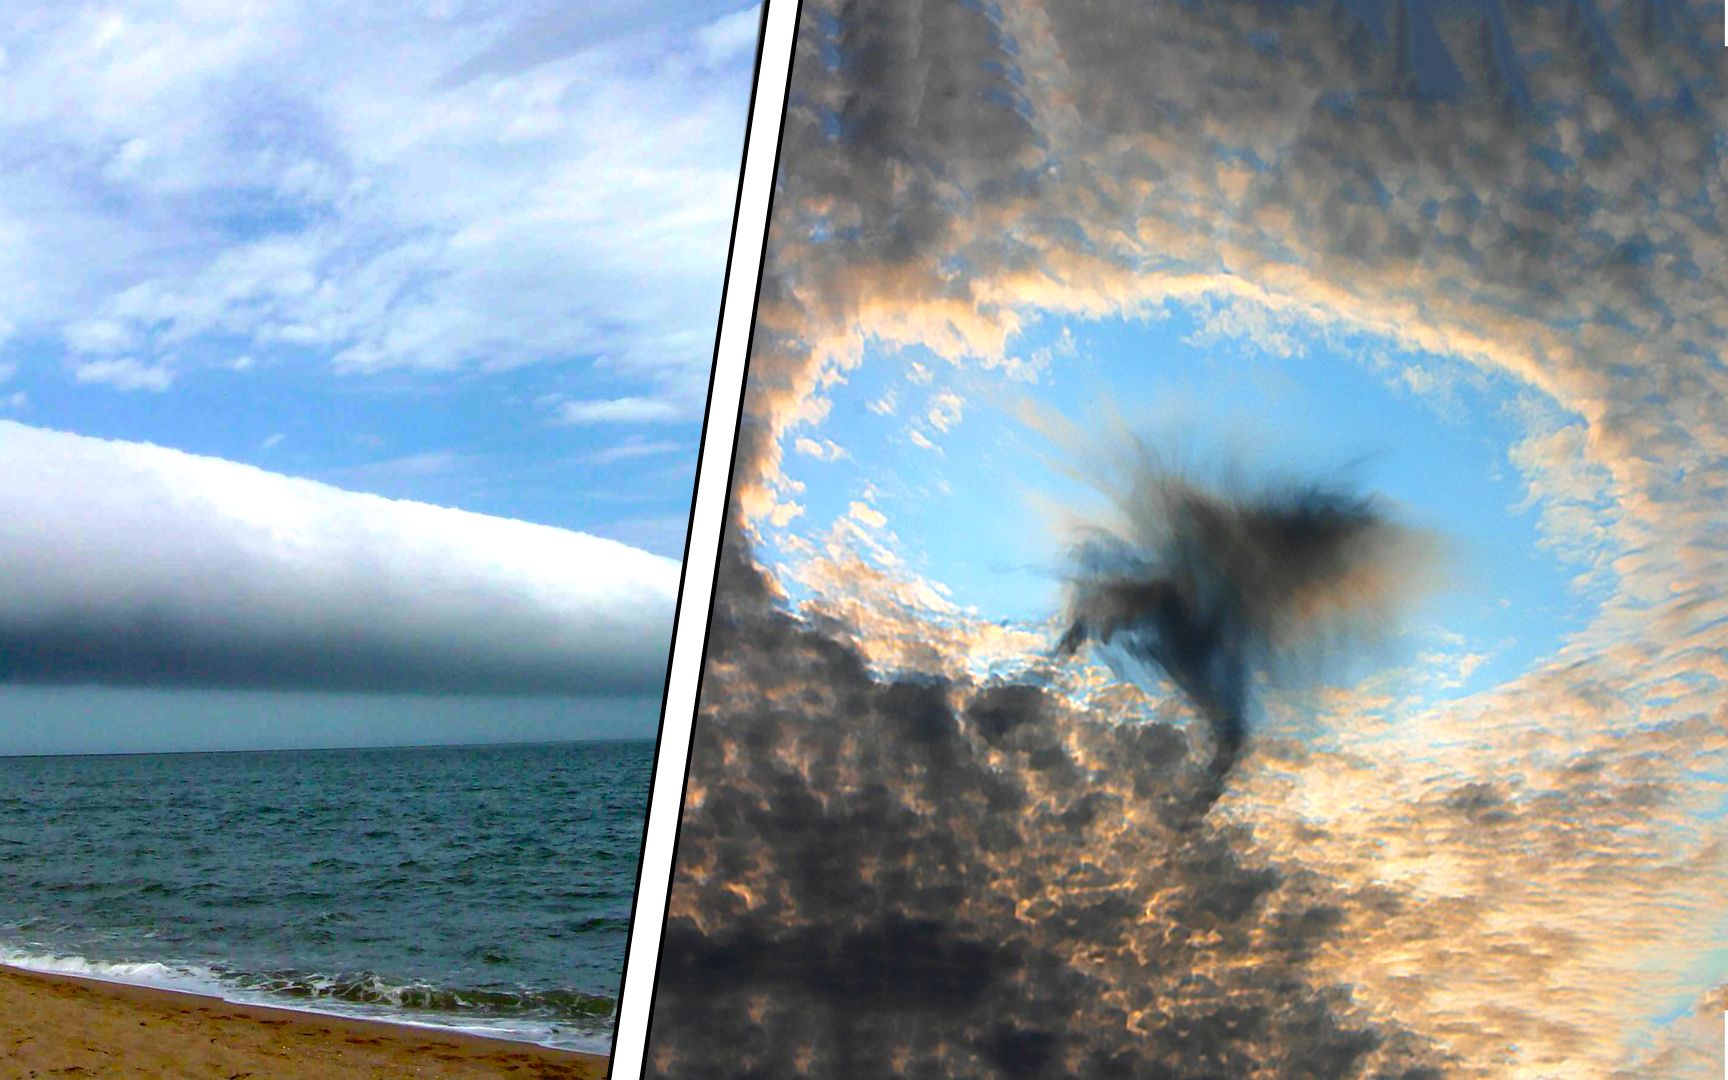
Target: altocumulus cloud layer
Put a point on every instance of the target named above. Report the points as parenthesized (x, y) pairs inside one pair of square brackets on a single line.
[(130, 564), (933, 877), (932, 871)]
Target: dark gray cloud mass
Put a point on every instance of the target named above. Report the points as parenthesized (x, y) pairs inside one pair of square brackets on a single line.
[(921, 877), (126, 564)]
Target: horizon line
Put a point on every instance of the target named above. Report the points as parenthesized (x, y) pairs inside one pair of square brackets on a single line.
[(4, 756)]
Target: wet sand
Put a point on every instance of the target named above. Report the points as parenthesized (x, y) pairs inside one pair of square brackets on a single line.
[(54, 1026)]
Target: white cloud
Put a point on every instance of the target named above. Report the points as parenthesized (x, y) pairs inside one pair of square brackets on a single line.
[(272, 441), (946, 409), (865, 514), (729, 37), (98, 336), (385, 187), (624, 410), (126, 375), (172, 568), (820, 449)]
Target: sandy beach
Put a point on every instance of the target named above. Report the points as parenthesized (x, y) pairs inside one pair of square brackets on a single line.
[(62, 1026)]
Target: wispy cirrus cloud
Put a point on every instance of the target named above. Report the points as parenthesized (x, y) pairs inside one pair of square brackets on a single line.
[(125, 375), (634, 447), (625, 410)]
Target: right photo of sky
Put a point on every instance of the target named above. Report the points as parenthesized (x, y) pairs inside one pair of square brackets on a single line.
[(1225, 573)]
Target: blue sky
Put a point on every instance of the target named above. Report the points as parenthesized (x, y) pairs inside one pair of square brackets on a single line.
[(462, 253)]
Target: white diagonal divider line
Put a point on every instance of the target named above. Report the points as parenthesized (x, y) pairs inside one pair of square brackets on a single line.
[(749, 231)]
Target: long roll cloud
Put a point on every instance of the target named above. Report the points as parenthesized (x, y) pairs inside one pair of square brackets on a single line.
[(130, 564)]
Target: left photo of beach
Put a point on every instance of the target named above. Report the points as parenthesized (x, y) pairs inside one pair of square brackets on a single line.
[(353, 365)]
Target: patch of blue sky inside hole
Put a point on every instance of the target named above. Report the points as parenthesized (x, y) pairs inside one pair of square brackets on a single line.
[(965, 521), (476, 440)]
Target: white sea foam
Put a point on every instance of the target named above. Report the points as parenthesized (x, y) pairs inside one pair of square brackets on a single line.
[(197, 979), (188, 978)]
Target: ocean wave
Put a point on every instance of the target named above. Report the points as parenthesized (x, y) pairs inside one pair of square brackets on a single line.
[(189, 978), (368, 988), (569, 1019)]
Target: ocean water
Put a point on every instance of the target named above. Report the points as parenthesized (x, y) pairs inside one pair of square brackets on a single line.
[(481, 888)]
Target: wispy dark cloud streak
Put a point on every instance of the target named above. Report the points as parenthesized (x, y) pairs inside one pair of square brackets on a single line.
[(1214, 588)]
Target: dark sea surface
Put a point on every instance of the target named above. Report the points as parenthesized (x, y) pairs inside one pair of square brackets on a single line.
[(482, 888)]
